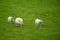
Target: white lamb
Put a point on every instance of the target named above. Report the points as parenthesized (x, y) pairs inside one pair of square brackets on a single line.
[(38, 22), (19, 21), (10, 19)]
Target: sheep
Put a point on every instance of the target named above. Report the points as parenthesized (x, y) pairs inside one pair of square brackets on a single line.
[(10, 19), (19, 21), (38, 22)]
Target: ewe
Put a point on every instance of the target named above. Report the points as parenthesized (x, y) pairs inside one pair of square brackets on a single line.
[(38, 22), (10, 19), (19, 21)]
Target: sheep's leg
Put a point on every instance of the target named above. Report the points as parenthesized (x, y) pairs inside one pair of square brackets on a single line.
[(36, 25), (19, 25)]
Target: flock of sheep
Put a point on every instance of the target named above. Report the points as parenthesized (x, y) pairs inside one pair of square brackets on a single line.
[(19, 21)]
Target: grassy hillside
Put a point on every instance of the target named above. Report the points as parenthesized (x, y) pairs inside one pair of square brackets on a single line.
[(29, 10)]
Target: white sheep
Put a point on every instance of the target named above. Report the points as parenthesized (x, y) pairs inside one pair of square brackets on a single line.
[(19, 21), (10, 19), (38, 22)]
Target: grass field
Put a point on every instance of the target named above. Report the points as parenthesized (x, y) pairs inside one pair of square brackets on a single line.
[(29, 10)]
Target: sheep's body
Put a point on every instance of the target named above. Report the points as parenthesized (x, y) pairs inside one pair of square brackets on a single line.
[(10, 19), (19, 21), (38, 22)]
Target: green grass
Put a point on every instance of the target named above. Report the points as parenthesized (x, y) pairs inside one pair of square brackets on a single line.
[(29, 10)]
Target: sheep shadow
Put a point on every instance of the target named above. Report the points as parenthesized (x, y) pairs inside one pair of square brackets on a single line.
[(19, 26)]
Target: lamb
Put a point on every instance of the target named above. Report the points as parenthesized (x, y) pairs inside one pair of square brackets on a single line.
[(38, 22), (10, 19), (19, 21)]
